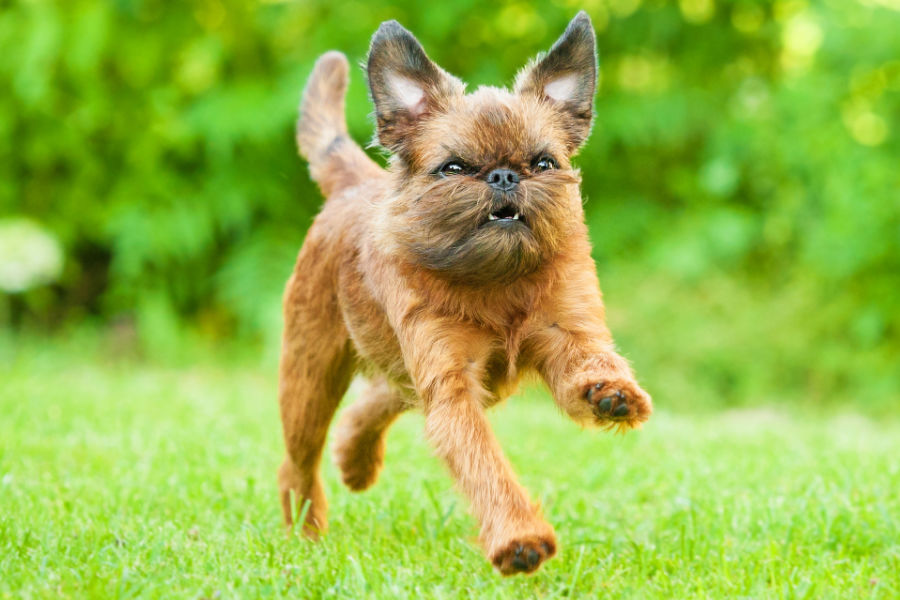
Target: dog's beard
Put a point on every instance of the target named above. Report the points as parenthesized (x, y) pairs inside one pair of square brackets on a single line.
[(466, 232)]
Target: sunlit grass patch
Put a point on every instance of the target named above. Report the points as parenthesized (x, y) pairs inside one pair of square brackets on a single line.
[(128, 480)]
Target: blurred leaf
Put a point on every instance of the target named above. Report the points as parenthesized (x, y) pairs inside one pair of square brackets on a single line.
[(741, 182)]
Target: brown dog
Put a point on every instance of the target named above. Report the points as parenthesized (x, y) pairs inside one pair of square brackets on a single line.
[(447, 277)]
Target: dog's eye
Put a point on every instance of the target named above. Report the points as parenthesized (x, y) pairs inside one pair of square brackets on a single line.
[(545, 163), (452, 167)]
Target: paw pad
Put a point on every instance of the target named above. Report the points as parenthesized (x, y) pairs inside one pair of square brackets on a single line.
[(608, 404), (619, 404)]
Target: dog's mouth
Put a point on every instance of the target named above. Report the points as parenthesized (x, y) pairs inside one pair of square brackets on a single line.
[(505, 215)]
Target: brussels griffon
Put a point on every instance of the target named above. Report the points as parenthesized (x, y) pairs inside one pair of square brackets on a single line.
[(446, 278)]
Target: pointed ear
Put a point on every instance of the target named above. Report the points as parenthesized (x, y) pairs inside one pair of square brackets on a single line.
[(566, 77), (405, 85)]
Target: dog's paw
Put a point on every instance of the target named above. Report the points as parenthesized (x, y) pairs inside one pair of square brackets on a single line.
[(618, 403), (523, 554)]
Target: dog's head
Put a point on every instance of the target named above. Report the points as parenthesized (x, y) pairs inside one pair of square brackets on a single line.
[(485, 190)]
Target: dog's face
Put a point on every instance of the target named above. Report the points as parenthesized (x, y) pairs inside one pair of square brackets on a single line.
[(485, 191)]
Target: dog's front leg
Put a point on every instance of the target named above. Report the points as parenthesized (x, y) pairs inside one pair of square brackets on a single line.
[(447, 367), (589, 380)]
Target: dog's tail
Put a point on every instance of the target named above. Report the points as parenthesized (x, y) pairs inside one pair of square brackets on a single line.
[(336, 162)]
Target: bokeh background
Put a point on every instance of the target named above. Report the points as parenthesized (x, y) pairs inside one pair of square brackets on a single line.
[(742, 182)]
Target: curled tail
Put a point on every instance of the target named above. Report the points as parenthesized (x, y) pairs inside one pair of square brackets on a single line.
[(336, 162)]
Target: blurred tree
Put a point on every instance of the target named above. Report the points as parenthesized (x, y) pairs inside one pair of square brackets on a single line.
[(742, 179)]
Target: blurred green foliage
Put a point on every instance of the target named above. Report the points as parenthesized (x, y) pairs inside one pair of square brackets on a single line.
[(742, 180)]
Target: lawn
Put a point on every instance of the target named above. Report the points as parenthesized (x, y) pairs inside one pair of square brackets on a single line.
[(122, 479)]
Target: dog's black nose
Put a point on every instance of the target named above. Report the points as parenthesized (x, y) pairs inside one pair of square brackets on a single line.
[(503, 180)]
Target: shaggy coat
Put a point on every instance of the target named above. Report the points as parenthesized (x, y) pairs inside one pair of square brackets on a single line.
[(447, 278)]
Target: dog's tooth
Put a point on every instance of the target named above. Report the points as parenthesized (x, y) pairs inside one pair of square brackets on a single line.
[(492, 217), (516, 216)]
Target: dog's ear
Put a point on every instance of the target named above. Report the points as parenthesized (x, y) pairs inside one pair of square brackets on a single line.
[(406, 86), (566, 77)]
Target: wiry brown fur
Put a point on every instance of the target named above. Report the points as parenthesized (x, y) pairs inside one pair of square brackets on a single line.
[(403, 277)]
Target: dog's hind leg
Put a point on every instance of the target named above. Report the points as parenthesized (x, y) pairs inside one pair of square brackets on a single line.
[(317, 362), (360, 437)]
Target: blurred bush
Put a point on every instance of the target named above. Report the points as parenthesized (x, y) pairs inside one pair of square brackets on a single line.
[(742, 181)]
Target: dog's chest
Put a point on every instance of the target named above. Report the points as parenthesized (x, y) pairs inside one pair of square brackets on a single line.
[(376, 346)]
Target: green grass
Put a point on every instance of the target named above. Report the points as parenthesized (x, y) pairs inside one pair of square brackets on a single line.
[(130, 480)]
